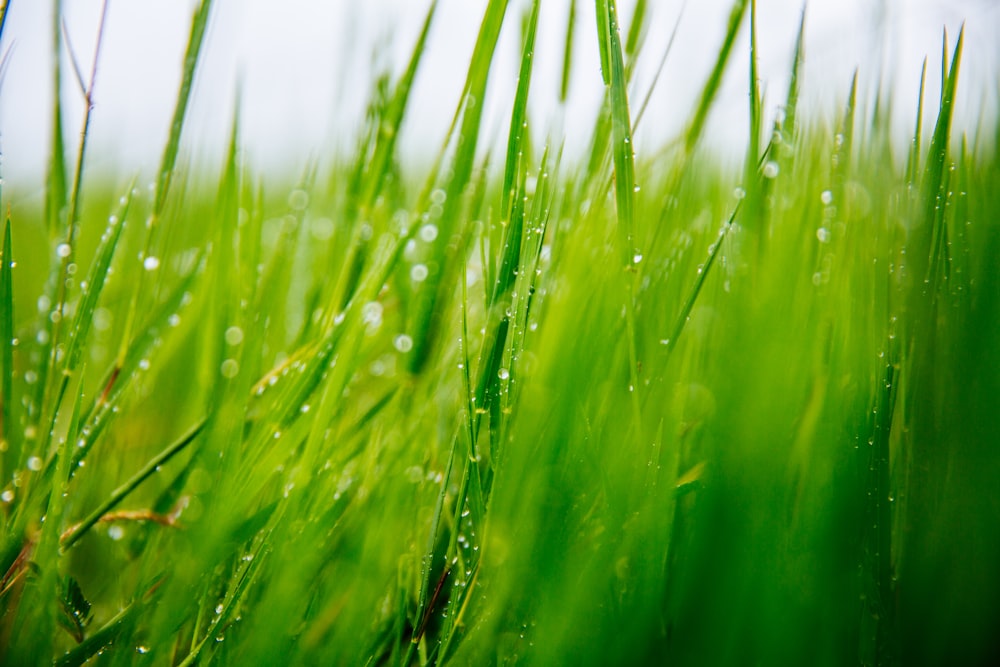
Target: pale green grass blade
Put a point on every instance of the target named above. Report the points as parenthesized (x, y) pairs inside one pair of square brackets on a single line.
[(659, 69), (567, 59), (192, 55), (636, 33)]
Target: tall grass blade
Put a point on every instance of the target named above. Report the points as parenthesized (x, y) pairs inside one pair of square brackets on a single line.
[(518, 120), (8, 402), (567, 59), (711, 87)]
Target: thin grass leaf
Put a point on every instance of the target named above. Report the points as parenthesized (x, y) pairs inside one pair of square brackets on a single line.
[(390, 125), (425, 313), (567, 60), (790, 126), (713, 251), (168, 162), (120, 493), (636, 33), (708, 93), (518, 119), (913, 158), (8, 402)]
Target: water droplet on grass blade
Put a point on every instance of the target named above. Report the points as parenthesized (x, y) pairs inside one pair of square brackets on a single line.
[(151, 263), (230, 368), (428, 232), (403, 343), (418, 273), (771, 169), (234, 335)]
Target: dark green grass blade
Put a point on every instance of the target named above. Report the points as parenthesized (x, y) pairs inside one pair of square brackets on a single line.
[(794, 82), (57, 182), (120, 493), (518, 119), (711, 87)]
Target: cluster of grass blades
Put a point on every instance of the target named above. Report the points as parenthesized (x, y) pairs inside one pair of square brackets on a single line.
[(639, 409)]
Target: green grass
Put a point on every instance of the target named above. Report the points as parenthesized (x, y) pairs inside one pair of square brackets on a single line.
[(513, 407)]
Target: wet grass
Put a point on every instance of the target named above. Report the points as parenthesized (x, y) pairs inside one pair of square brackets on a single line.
[(511, 408)]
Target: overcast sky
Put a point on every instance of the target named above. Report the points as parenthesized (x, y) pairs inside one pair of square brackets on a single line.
[(305, 70)]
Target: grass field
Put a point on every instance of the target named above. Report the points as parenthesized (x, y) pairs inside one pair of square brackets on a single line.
[(512, 407)]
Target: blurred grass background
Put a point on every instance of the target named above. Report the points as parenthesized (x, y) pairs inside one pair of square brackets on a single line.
[(512, 407)]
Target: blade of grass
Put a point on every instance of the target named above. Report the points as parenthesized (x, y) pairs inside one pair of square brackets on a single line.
[(711, 88), (567, 52), (472, 105), (7, 399), (192, 55), (913, 159), (138, 478), (518, 120)]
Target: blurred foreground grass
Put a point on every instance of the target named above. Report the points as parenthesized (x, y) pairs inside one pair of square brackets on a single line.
[(635, 410)]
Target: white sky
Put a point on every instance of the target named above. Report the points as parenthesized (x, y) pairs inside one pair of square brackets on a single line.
[(305, 70)]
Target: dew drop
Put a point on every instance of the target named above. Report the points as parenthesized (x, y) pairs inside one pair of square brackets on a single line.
[(230, 368), (234, 335), (418, 273), (403, 343), (428, 232), (151, 263)]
